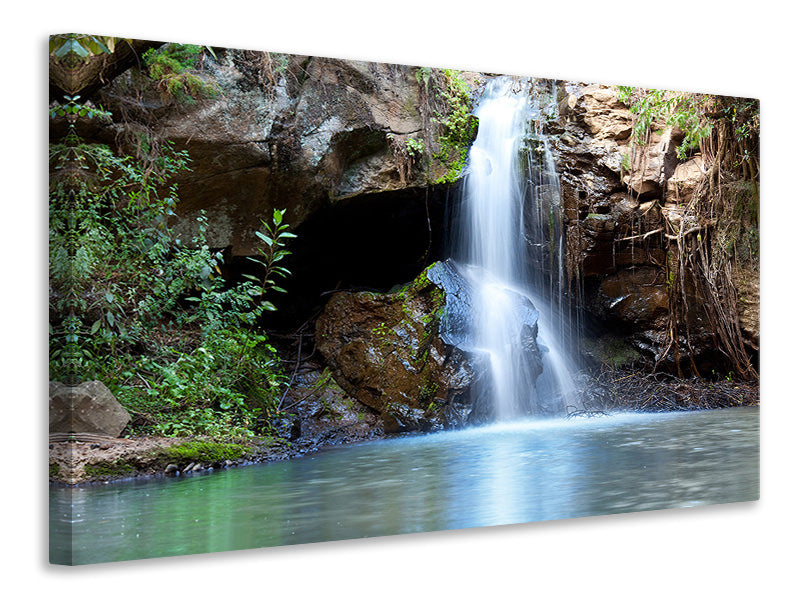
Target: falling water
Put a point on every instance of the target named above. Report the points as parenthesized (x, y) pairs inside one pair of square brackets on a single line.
[(510, 246)]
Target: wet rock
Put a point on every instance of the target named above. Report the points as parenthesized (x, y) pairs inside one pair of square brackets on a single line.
[(325, 415), (89, 407), (636, 303), (637, 296), (398, 417), (409, 355), (172, 470)]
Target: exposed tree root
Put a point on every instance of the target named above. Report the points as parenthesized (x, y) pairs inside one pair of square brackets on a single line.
[(635, 390)]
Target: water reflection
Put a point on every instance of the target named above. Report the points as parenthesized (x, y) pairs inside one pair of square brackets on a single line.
[(489, 476)]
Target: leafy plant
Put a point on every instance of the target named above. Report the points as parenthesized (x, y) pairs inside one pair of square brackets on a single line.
[(415, 147), (134, 305), (74, 48), (447, 99), (673, 108), (458, 126), (171, 66)]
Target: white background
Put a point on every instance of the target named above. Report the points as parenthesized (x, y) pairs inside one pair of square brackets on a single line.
[(731, 551)]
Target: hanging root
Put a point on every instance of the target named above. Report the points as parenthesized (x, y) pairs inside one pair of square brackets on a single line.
[(712, 239)]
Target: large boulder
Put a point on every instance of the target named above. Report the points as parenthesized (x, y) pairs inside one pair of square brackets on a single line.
[(685, 180), (654, 165), (89, 407), (410, 355)]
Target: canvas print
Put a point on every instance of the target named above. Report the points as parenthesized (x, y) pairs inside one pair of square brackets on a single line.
[(297, 299)]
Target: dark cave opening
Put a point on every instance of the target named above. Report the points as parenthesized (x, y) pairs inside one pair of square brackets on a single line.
[(370, 242)]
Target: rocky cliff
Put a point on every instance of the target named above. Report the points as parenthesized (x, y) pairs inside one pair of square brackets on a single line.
[(295, 132), (625, 205)]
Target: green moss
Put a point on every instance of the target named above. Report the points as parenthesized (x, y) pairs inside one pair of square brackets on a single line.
[(449, 95), (171, 68), (54, 469), (201, 451), (428, 392), (117, 468), (458, 126), (610, 350)]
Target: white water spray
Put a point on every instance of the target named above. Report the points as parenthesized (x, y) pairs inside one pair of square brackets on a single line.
[(510, 236)]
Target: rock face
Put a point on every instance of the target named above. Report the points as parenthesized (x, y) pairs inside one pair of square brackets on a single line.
[(287, 131), (408, 355), (618, 199), (86, 408)]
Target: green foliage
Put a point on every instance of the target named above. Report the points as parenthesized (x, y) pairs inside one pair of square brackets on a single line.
[(114, 268), (625, 163), (228, 387), (423, 75), (73, 48), (275, 236), (146, 312), (673, 108), (171, 66), (458, 126), (448, 98), (415, 147), (72, 110)]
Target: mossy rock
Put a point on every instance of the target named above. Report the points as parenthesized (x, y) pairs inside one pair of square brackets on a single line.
[(408, 354), (610, 350), (110, 469), (202, 452)]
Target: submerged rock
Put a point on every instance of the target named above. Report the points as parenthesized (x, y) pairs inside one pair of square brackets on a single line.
[(409, 355)]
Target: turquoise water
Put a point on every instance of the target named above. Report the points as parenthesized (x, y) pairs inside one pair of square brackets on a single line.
[(529, 471)]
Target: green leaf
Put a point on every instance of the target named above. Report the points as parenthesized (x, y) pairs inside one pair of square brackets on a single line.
[(268, 240), (277, 216), (98, 47), (96, 326)]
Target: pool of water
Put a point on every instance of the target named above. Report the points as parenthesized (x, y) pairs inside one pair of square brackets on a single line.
[(502, 474)]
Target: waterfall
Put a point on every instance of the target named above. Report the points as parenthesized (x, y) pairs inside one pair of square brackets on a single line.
[(509, 244)]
